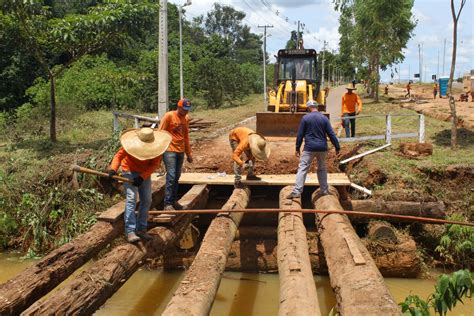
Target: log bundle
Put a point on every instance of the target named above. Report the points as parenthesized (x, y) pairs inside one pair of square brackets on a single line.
[(37, 280), (91, 288)]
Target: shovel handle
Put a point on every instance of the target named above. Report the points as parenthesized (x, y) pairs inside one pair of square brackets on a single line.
[(99, 173)]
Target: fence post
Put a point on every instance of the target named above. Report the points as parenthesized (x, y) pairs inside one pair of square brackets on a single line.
[(388, 129), (137, 122), (421, 129), (116, 122)]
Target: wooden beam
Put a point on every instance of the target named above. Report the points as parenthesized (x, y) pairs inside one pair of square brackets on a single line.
[(334, 179), (91, 288), (359, 289), (297, 288), (198, 288)]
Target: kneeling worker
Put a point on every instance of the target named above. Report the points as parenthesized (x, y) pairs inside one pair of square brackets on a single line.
[(244, 140), (139, 156), (313, 128)]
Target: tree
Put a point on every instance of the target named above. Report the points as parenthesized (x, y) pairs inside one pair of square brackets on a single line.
[(378, 32), (56, 43), (452, 103)]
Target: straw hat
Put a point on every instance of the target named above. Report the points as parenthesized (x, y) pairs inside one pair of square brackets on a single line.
[(350, 87), (145, 143), (258, 146)]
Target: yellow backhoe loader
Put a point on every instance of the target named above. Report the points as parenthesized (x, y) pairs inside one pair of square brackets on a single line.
[(296, 81)]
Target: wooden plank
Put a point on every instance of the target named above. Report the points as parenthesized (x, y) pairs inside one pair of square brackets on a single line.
[(355, 252), (334, 179)]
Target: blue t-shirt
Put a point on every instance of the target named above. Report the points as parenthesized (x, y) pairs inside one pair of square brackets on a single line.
[(313, 128)]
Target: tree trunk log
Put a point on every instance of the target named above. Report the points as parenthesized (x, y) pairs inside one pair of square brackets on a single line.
[(37, 280), (382, 231), (422, 209), (91, 288), (198, 289), (355, 279), (297, 287)]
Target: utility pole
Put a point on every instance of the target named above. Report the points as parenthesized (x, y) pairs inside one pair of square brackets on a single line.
[(265, 63), (437, 69), (298, 35), (423, 63), (322, 66), (163, 59), (409, 72), (419, 61), (181, 81), (444, 54)]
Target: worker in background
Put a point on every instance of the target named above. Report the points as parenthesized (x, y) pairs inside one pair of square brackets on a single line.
[(408, 90), (177, 124), (139, 156), (348, 110), (435, 89), (353, 83), (313, 129), (244, 140), (386, 89)]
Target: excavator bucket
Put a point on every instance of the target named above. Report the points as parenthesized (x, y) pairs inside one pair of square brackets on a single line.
[(282, 124)]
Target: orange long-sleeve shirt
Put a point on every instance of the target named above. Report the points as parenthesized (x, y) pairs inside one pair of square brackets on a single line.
[(241, 135), (132, 164), (349, 102), (178, 127)]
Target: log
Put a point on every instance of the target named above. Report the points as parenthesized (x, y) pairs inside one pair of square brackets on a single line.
[(421, 209), (297, 287), (90, 289), (37, 280), (198, 289), (382, 231), (359, 287)]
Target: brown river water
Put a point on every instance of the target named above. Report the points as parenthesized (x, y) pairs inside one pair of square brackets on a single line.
[(147, 292)]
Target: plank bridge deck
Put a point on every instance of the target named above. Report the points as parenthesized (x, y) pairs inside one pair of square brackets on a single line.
[(334, 179)]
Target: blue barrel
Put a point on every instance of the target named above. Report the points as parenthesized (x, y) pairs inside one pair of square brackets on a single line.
[(443, 86)]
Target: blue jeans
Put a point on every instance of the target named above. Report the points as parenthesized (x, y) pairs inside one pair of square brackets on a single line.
[(352, 122), (132, 223), (173, 164), (305, 163)]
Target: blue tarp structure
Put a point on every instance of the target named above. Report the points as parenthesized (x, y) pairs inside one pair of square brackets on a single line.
[(443, 86)]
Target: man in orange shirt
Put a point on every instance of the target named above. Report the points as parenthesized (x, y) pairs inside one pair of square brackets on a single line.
[(408, 90), (177, 124), (349, 111), (138, 157), (244, 140)]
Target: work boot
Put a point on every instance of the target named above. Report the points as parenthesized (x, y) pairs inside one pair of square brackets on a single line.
[(253, 177), (132, 238), (238, 185), (293, 195), (169, 207), (144, 235)]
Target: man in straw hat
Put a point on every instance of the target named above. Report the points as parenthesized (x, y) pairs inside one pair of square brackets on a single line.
[(313, 128), (348, 109), (244, 140), (138, 157), (177, 124)]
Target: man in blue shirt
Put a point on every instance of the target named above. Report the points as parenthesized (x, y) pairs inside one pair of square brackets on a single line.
[(313, 128)]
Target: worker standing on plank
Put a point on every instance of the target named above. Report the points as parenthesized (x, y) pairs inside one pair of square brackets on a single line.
[(244, 140), (313, 129), (139, 156), (348, 109), (177, 124)]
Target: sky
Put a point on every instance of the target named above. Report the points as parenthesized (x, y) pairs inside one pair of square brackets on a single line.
[(321, 24)]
